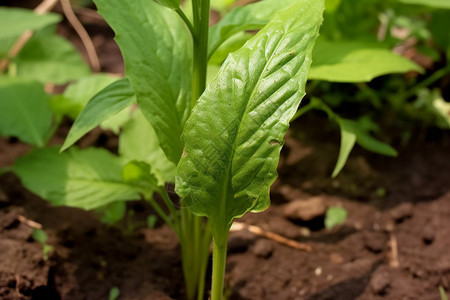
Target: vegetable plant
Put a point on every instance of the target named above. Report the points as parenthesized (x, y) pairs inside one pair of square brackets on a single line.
[(225, 140), (203, 107)]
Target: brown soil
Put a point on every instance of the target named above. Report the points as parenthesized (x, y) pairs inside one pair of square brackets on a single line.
[(394, 244)]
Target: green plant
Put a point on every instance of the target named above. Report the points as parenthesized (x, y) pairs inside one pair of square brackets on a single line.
[(356, 47), (442, 293), (114, 293), (220, 146), (40, 236), (334, 216), (166, 59)]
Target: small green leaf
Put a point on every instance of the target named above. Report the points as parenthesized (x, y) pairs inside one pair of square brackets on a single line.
[(15, 21), (157, 50), (356, 131), (39, 235), (114, 293), (355, 62), (86, 179), (235, 132), (24, 111), (249, 17), (348, 140), (50, 59), (334, 216), (151, 221), (138, 141), (113, 213), (140, 175), (430, 3), (107, 103)]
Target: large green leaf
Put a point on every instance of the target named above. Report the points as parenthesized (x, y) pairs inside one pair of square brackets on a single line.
[(157, 49), (234, 135), (15, 21), (138, 141), (50, 59), (107, 103), (248, 17), (24, 111), (86, 179), (355, 62), (430, 3)]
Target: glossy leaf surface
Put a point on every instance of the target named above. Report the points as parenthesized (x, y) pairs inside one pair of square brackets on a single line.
[(355, 62), (107, 103), (235, 133), (156, 47), (86, 179), (24, 111)]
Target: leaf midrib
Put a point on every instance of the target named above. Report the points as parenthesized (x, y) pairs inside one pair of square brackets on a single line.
[(225, 192)]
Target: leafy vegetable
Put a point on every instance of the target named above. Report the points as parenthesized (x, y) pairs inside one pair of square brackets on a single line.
[(244, 114)]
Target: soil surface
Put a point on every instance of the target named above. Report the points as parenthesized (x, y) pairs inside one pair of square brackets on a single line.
[(394, 244)]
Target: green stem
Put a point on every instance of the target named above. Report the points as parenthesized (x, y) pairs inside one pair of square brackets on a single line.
[(200, 50), (219, 262), (163, 215), (204, 258), (429, 80), (168, 202), (186, 21)]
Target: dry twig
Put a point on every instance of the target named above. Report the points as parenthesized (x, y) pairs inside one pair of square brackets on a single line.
[(393, 262), (29, 223), (82, 33), (237, 226)]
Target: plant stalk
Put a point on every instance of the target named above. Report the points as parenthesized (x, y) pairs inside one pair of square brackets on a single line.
[(219, 262), (201, 27)]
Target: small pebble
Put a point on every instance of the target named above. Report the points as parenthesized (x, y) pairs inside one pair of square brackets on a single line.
[(263, 248), (428, 234), (380, 283), (305, 210)]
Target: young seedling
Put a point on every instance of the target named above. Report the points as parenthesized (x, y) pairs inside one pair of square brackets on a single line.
[(234, 135)]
